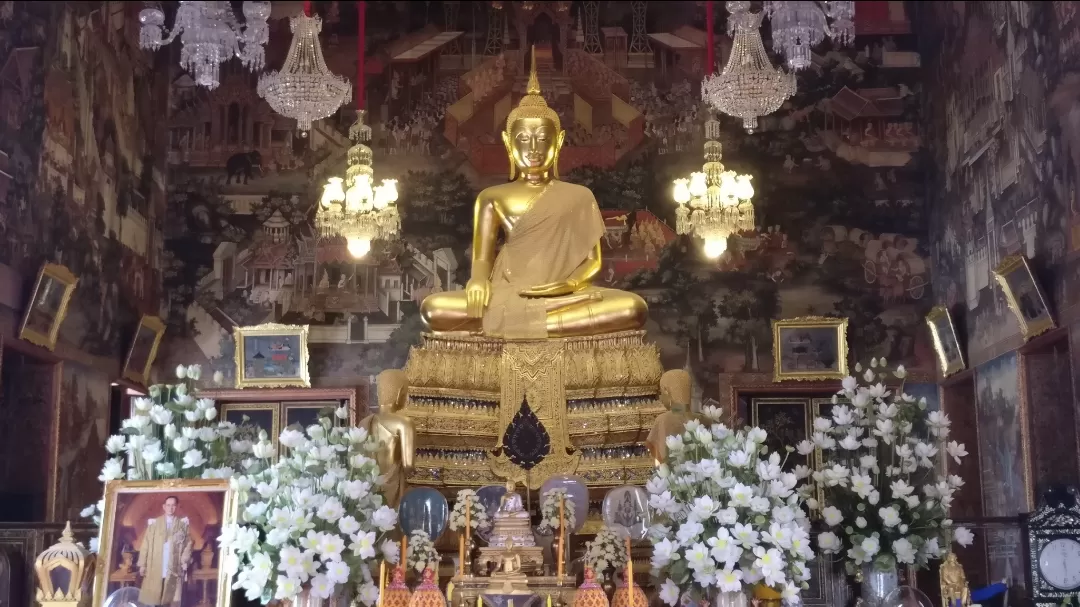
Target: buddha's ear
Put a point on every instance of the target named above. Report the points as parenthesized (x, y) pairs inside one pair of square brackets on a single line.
[(509, 154), (559, 139)]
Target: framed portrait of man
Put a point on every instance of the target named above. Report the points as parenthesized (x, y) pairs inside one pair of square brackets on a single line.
[(159, 543)]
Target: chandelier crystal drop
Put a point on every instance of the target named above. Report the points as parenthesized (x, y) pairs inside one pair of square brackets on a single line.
[(750, 86), (304, 89), (797, 26), (361, 213), (714, 203), (209, 36)]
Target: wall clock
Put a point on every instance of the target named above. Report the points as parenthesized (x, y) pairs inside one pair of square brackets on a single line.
[(1052, 535)]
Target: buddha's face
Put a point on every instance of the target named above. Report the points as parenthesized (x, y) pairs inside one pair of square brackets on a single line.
[(533, 144)]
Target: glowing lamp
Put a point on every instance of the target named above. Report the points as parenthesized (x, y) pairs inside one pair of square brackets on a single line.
[(715, 247), (681, 194), (698, 185), (358, 247), (332, 192)]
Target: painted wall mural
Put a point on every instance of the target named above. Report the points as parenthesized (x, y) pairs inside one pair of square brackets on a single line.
[(1001, 463), (837, 172), (84, 427), (82, 163), (1004, 169)]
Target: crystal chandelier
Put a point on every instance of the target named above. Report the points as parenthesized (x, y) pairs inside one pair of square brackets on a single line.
[(361, 213), (304, 89), (210, 36), (714, 203), (749, 86), (799, 25)]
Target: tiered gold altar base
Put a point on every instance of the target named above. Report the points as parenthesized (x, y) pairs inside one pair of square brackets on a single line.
[(596, 397), (471, 587)]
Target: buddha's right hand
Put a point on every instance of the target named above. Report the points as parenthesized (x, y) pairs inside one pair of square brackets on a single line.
[(477, 296)]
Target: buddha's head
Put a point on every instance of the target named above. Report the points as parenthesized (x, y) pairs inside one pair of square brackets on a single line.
[(393, 388), (509, 486), (533, 135), (675, 390)]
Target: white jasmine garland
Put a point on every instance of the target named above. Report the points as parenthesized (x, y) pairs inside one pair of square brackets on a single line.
[(309, 522), (886, 501), (606, 552), (549, 510), (478, 516), (728, 516)]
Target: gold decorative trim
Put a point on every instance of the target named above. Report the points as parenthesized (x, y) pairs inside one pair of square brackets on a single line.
[(142, 376), (69, 281), (239, 333), (937, 313), (811, 322), (114, 488), (1015, 263)]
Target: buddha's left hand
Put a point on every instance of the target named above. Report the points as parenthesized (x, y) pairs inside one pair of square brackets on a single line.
[(551, 289)]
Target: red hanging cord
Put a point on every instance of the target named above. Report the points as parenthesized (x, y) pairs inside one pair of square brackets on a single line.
[(710, 52), (307, 8), (360, 57)]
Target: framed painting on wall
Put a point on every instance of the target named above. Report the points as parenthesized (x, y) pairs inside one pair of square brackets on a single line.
[(1024, 296), (787, 421), (48, 305), (177, 518), (256, 416), (947, 346), (272, 356), (304, 414), (810, 348), (143, 350)]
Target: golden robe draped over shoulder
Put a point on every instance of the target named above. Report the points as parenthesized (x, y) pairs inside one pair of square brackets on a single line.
[(164, 575), (546, 245)]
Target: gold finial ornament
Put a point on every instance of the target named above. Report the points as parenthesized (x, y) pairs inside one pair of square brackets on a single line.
[(71, 557), (533, 105)]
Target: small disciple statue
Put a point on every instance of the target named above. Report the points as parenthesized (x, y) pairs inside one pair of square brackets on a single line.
[(509, 579), (511, 524), (675, 396), (395, 433), (954, 585), (539, 284)]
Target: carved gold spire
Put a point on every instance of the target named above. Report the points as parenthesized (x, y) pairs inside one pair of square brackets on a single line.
[(532, 105)]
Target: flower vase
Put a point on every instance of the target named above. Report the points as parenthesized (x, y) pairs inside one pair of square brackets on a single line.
[(621, 598), (589, 593), (729, 599), (307, 598), (547, 542), (876, 584)]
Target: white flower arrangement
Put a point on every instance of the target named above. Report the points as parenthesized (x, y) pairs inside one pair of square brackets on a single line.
[(607, 551), (727, 515), (172, 434), (549, 510), (478, 516), (881, 449), (313, 519), (422, 552)]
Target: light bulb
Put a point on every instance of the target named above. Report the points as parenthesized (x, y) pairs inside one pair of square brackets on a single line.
[(681, 193), (391, 190), (745, 188), (358, 247), (698, 185), (332, 192), (715, 247), (358, 194)]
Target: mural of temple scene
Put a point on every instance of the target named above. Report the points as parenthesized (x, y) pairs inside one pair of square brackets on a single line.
[(521, 247)]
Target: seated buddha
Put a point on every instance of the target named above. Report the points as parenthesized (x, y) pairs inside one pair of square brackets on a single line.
[(539, 284), (511, 522)]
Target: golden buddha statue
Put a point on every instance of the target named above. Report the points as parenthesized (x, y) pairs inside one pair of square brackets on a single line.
[(539, 285), (395, 433), (954, 585), (510, 577), (675, 396)]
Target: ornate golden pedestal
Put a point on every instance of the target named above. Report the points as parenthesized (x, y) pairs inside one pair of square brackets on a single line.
[(471, 587), (595, 396)]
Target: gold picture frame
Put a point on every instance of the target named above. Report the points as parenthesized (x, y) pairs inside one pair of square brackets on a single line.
[(816, 333), (230, 411), (48, 306), (116, 568), (258, 362), (946, 344), (1024, 296), (143, 350)]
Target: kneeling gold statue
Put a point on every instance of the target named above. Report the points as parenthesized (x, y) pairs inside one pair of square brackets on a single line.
[(540, 283)]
